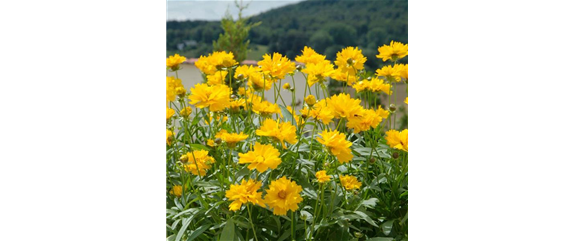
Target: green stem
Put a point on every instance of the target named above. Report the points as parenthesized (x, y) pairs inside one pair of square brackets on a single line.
[(251, 221)]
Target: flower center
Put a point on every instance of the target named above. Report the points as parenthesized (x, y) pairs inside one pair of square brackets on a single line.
[(281, 194), (259, 159)]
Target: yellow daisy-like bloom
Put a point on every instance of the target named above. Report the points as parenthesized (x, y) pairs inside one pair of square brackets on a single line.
[(350, 60), (171, 85), (394, 51), (231, 139), (217, 78), (262, 157), (401, 71), (382, 113), (211, 143), (398, 140), (282, 195), (215, 61), (309, 56), (186, 112), (350, 182), (277, 66), (337, 145), (215, 97), (310, 100), (390, 73), (280, 132), (322, 176), (287, 86), (321, 112), (176, 190), (201, 161), (343, 76), (344, 106), (244, 193), (407, 100), (204, 65), (241, 91), (265, 108), (169, 136), (378, 85), (174, 61), (364, 121), (169, 113), (317, 72), (236, 104), (362, 85)]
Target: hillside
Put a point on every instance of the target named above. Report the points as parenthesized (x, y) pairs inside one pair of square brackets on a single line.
[(327, 26)]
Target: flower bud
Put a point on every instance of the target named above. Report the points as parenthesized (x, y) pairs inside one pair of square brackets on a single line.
[(240, 76), (304, 116), (395, 155), (299, 67), (180, 91), (183, 159), (310, 100), (359, 235), (392, 107), (372, 160), (233, 97), (369, 78), (218, 141), (286, 86)]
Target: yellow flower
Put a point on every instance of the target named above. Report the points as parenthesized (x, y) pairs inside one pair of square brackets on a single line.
[(382, 113), (169, 112), (171, 85), (309, 56), (362, 85), (276, 66), (231, 139), (215, 61), (176, 190), (350, 60), (198, 160), (310, 100), (398, 140), (174, 61), (350, 182), (204, 65), (244, 193), (401, 71), (217, 78), (377, 85), (317, 72), (321, 111), (262, 157), (394, 51), (215, 97), (364, 121), (287, 86), (390, 73), (235, 104), (280, 132), (241, 91), (407, 100), (344, 76), (265, 108), (344, 106), (211, 143), (169, 136), (282, 195), (337, 145), (186, 112), (322, 176)]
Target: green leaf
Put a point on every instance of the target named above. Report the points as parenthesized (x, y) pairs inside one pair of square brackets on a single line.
[(287, 116), (198, 232), (370, 203), (198, 147), (388, 226), (366, 218), (184, 225), (380, 239), (170, 238), (228, 233), (308, 216)]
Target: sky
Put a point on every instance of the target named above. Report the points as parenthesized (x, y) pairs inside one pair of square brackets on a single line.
[(215, 10)]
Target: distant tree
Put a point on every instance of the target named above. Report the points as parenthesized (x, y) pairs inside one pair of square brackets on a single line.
[(235, 34), (320, 41), (343, 34)]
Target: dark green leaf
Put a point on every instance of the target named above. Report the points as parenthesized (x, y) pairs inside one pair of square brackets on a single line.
[(228, 233), (198, 232)]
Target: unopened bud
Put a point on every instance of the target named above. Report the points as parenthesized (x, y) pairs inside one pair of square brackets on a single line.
[(372, 160), (369, 78), (240, 76), (183, 159), (359, 235), (395, 155), (310, 100), (299, 67), (392, 107), (286, 86), (304, 116), (218, 141), (233, 97)]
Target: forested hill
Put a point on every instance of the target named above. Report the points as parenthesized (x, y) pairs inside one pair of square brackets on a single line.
[(327, 26)]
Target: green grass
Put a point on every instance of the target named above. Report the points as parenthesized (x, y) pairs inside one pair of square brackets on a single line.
[(256, 52)]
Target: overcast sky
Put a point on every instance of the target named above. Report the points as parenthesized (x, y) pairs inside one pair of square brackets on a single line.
[(215, 10)]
